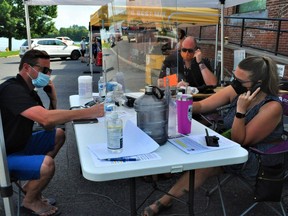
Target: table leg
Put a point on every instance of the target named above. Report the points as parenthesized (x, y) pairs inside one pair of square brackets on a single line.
[(191, 192), (133, 197)]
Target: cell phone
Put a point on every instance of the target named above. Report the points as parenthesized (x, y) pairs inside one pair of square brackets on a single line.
[(257, 85), (90, 103)]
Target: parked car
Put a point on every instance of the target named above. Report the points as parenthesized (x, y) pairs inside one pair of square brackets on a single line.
[(66, 40), (54, 47)]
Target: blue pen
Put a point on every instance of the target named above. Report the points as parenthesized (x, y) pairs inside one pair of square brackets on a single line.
[(122, 159)]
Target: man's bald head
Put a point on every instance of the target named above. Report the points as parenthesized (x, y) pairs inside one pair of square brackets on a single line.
[(189, 43)]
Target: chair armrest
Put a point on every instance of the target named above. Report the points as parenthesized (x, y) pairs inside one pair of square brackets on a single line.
[(282, 147)]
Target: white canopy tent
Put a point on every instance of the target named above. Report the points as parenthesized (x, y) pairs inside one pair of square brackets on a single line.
[(220, 4)]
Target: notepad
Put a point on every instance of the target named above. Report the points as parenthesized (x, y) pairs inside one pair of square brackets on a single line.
[(187, 144)]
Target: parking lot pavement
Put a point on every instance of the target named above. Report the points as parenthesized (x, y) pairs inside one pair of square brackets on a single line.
[(77, 196)]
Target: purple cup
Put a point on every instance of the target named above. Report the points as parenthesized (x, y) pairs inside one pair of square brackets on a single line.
[(184, 113)]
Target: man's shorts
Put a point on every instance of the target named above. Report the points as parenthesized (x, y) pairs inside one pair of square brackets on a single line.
[(26, 165), (83, 52)]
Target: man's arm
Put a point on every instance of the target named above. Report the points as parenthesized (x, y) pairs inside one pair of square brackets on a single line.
[(208, 77), (50, 118)]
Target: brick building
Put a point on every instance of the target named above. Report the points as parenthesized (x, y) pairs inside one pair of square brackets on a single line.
[(265, 34)]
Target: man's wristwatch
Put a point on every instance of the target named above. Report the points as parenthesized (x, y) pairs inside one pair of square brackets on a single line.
[(240, 115), (201, 62)]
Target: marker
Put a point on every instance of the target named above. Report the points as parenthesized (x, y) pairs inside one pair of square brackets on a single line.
[(206, 132)]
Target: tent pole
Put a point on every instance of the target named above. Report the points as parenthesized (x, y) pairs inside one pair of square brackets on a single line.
[(27, 23), (6, 187), (90, 50), (222, 41), (216, 49)]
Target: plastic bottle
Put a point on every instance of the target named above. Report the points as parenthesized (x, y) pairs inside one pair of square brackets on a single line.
[(172, 120), (120, 79), (85, 86), (118, 95), (109, 104), (152, 114), (114, 133), (102, 87)]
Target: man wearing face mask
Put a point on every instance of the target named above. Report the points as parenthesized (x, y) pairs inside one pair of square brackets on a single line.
[(193, 69), (30, 155)]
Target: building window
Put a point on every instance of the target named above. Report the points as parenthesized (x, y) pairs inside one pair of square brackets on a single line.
[(256, 5)]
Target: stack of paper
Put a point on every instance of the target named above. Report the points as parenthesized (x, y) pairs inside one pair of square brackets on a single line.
[(135, 143)]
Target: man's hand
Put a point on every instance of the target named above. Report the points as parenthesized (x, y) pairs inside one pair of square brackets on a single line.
[(198, 55), (51, 93), (99, 109), (182, 83)]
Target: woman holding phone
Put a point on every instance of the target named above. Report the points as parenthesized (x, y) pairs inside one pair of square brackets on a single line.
[(254, 117)]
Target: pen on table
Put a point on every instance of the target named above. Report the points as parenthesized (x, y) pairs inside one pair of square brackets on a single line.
[(122, 159)]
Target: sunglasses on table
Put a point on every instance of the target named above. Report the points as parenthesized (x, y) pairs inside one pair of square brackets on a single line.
[(189, 50)]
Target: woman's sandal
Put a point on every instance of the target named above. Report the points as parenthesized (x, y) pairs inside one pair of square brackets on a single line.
[(148, 211)]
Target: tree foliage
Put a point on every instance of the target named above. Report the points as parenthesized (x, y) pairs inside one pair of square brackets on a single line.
[(13, 24)]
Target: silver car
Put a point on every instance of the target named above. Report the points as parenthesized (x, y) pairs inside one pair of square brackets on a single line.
[(54, 47)]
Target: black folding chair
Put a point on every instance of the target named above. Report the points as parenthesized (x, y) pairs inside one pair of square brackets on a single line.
[(269, 180)]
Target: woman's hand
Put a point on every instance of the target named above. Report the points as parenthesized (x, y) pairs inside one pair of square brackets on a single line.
[(245, 100)]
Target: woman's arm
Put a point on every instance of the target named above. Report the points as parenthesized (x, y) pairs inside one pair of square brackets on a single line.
[(259, 127), (220, 98)]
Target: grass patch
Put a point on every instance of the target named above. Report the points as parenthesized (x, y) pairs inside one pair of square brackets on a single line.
[(4, 54)]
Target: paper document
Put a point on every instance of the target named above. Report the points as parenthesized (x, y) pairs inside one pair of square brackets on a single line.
[(194, 144), (135, 142), (139, 158)]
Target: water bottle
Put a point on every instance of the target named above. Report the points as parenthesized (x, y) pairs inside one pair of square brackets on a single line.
[(172, 129), (120, 79), (152, 114), (114, 133), (109, 104), (118, 95), (102, 87)]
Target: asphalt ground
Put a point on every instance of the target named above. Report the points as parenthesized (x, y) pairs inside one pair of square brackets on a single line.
[(77, 196)]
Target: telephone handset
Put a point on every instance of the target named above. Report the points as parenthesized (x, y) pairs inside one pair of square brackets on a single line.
[(257, 85)]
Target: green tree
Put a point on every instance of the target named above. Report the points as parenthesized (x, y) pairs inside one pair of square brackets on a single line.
[(13, 24), (75, 32)]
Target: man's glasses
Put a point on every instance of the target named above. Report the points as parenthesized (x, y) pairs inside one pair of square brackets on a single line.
[(45, 70), (189, 50)]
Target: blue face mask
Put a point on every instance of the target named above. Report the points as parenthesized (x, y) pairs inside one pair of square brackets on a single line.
[(41, 81)]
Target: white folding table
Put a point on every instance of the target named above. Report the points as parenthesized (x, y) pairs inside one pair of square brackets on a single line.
[(172, 159)]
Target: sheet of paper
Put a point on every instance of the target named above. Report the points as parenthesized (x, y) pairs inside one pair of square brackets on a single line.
[(135, 142), (140, 158), (194, 144)]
